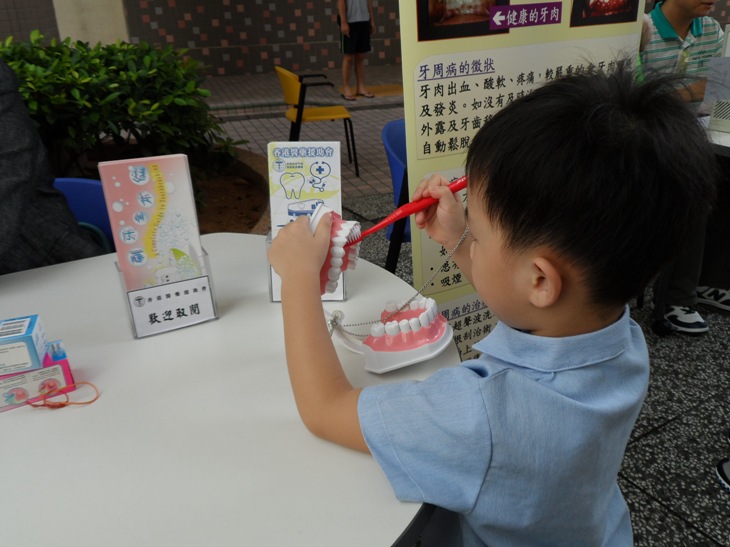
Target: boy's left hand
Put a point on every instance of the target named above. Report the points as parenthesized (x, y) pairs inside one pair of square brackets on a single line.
[(296, 252)]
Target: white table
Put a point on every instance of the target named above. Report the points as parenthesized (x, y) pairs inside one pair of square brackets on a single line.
[(195, 439)]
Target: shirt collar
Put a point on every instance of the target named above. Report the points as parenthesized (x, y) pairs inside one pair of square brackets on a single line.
[(666, 31), (552, 354)]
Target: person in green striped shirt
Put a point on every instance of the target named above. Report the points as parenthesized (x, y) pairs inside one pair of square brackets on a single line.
[(683, 39), (679, 37)]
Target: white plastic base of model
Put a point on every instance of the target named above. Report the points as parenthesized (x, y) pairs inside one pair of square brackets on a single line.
[(385, 361)]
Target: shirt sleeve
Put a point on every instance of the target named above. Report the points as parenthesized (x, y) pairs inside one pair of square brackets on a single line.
[(413, 428), (720, 42)]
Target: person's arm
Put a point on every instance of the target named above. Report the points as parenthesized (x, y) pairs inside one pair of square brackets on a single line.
[(326, 400), (444, 222), (21, 159), (342, 10), (646, 32), (693, 92)]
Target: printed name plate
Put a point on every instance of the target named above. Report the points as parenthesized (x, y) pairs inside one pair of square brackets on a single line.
[(162, 308)]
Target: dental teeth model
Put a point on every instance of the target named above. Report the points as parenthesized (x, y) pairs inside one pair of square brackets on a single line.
[(339, 259), (405, 334)]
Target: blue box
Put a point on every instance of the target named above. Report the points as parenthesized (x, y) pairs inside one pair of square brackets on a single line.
[(22, 344)]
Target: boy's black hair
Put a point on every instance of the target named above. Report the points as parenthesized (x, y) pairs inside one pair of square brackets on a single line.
[(606, 171)]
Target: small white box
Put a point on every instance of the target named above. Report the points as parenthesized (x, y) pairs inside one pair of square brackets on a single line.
[(22, 344)]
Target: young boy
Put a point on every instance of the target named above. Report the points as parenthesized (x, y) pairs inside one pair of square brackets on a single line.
[(577, 195)]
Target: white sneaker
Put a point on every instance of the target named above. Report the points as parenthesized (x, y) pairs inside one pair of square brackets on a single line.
[(685, 319), (710, 296)]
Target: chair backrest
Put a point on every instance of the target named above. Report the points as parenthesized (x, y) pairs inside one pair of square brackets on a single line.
[(85, 198), (394, 141), (290, 85)]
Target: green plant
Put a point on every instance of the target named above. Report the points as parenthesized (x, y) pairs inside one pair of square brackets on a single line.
[(144, 100)]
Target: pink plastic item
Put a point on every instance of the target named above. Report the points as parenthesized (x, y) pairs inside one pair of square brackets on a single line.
[(339, 259)]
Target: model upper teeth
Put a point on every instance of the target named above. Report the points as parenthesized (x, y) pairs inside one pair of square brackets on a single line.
[(339, 255)]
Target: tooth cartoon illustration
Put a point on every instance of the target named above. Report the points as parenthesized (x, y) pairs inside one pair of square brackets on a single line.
[(292, 183)]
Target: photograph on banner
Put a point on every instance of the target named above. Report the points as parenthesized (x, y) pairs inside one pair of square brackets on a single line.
[(446, 19), (603, 12)]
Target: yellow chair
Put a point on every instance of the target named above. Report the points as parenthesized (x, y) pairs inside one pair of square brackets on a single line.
[(295, 91)]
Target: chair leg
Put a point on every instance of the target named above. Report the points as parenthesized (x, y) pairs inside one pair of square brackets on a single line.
[(399, 230), (348, 122), (294, 132), (347, 140), (396, 241), (412, 534)]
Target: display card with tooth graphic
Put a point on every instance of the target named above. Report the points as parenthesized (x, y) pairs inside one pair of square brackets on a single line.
[(302, 175), (155, 227)]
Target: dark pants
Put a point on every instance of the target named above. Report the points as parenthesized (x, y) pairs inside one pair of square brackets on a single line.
[(705, 257), (716, 260)]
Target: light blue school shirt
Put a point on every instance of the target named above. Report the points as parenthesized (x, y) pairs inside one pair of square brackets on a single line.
[(525, 442)]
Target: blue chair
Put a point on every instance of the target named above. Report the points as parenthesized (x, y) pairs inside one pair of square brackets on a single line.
[(85, 198), (394, 141)]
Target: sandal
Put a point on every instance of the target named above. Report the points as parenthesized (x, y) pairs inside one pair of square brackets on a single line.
[(348, 97), (366, 95)]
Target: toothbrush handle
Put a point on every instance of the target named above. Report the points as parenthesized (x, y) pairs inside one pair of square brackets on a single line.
[(408, 209)]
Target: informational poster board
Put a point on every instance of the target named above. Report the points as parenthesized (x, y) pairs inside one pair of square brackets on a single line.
[(163, 266), (303, 175), (465, 60)]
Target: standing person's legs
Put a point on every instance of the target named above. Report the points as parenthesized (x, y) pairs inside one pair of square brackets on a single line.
[(715, 278), (354, 47), (347, 62), (679, 283), (360, 74)]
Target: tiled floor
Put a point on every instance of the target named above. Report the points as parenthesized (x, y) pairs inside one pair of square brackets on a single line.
[(254, 107), (668, 475)]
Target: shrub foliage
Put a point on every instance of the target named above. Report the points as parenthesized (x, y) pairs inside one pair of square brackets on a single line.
[(143, 99)]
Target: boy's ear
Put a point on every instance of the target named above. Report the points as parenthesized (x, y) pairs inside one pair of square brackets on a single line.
[(546, 283)]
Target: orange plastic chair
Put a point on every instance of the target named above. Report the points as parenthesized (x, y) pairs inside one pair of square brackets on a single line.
[(295, 91)]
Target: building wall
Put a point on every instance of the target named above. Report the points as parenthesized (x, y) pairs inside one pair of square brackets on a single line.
[(92, 21), (229, 36), (19, 17), (251, 36)]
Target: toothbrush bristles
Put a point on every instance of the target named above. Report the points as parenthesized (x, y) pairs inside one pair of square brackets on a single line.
[(354, 236)]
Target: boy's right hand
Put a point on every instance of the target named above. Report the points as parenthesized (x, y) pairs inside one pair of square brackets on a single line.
[(444, 222)]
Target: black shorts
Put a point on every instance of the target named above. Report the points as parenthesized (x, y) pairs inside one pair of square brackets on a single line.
[(359, 39)]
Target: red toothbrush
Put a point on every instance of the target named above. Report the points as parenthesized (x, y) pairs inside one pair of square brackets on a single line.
[(407, 210)]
